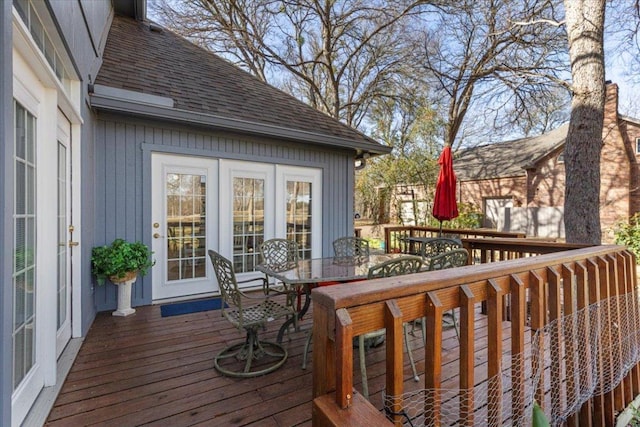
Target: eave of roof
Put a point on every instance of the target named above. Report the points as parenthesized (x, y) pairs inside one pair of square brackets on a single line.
[(118, 105), (206, 89)]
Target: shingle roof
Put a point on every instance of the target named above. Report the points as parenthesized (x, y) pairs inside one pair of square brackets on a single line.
[(507, 159), (164, 64)]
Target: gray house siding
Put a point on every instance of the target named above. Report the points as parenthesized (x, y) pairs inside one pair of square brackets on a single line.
[(6, 198), (122, 167)]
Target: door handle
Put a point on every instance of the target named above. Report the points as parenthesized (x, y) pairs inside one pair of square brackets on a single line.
[(72, 243), (157, 235)]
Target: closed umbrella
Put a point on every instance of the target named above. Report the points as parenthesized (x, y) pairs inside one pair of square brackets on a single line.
[(445, 206)]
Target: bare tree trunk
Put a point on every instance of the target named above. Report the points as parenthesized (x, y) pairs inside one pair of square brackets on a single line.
[(585, 24)]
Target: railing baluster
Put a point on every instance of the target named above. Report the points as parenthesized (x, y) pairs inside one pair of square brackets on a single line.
[(467, 351), (556, 338), (616, 333), (494, 363), (538, 319), (606, 339), (570, 324), (593, 274), (433, 357), (630, 280), (586, 375), (394, 338), (518, 321)]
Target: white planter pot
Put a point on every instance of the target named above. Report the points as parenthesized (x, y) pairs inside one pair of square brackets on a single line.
[(124, 298)]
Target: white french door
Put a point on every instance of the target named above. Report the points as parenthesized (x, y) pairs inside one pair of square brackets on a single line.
[(247, 215), (184, 190), (232, 207), (260, 201), (64, 235), (299, 208)]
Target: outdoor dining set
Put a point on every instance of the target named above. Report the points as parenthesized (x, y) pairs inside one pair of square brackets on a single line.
[(287, 274)]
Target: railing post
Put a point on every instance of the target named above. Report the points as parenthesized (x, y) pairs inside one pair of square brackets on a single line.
[(324, 371), (344, 358)]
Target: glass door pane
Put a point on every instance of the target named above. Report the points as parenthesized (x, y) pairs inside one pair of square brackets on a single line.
[(248, 222), (24, 247), (299, 215), (62, 235), (186, 226)]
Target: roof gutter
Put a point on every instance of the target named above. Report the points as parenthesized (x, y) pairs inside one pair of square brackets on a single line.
[(119, 105)]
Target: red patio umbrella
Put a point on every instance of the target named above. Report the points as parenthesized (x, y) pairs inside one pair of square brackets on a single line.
[(445, 206)]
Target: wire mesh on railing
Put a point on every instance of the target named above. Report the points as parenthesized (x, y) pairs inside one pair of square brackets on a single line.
[(489, 401), (570, 360)]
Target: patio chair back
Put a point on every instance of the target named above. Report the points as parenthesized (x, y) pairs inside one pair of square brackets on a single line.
[(351, 247), (279, 254), (438, 246), (223, 268), (453, 258), (396, 267)]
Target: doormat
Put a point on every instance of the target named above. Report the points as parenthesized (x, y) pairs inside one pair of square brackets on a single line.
[(177, 308)]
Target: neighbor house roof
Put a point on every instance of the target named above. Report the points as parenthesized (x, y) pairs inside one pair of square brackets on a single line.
[(151, 71), (507, 159)]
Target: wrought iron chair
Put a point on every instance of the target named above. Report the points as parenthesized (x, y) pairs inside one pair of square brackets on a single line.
[(453, 258), (439, 245), (279, 255), (350, 247), (450, 259), (395, 267), (250, 318)]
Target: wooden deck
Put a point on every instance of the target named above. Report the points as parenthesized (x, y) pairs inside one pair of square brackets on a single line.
[(148, 370)]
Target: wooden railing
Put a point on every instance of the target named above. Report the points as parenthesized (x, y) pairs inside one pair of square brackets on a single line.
[(394, 236), (541, 290)]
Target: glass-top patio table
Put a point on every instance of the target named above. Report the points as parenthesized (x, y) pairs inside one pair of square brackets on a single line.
[(309, 273)]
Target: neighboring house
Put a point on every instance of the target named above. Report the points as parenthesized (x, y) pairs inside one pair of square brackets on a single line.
[(519, 185), (113, 127)]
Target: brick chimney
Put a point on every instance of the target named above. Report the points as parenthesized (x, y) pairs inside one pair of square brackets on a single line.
[(610, 104), (614, 167)]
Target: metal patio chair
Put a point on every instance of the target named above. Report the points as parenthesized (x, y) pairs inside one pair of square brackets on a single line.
[(396, 267), (279, 255), (439, 245), (251, 318), (449, 259), (350, 247)]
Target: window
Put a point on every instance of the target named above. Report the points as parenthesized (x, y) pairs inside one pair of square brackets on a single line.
[(29, 16), (637, 145), (24, 245), (561, 157)]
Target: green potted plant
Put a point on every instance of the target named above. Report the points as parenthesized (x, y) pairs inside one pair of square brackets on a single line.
[(121, 262)]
